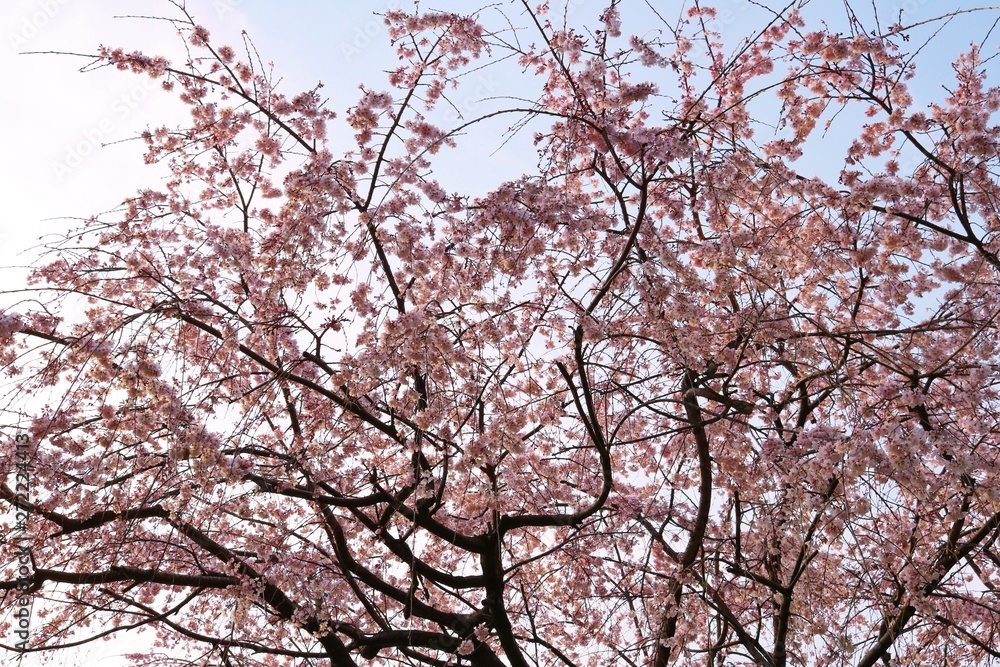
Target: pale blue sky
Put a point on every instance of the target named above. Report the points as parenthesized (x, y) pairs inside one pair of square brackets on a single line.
[(53, 114)]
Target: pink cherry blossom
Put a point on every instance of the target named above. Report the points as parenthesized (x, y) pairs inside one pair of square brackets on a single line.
[(702, 386)]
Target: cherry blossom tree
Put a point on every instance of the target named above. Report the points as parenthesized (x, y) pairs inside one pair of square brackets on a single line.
[(667, 398)]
